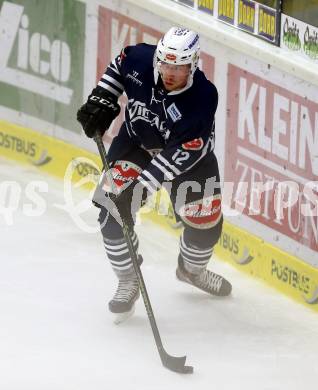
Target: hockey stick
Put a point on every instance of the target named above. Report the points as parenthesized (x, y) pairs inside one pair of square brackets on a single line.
[(173, 363)]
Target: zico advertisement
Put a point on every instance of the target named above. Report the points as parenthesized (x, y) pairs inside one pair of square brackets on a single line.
[(117, 31), (272, 138), (41, 60)]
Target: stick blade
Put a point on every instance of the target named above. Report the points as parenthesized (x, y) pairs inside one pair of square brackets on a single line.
[(176, 364)]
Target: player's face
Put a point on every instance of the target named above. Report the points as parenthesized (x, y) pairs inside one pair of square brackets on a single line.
[(174, 77)]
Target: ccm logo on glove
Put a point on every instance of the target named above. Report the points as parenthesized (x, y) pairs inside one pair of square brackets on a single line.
[(97, 114), (105, 102)]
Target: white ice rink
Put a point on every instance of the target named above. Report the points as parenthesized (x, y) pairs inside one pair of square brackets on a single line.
[(57, 334)]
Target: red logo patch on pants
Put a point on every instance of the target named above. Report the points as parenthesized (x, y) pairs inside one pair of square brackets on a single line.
[(122, 173), (203, 213)]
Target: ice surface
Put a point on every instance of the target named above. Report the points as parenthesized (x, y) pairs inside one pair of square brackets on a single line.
[(57, 334)]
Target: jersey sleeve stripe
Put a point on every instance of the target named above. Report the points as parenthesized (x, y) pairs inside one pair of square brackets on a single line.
[(109, 88), (151, 178), (146, 184), (112, 85), (115, 75), (168, 174), (113, 81), (167, 164), (150, 183)]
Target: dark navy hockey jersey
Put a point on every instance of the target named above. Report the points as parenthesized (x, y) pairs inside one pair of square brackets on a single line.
[(176, 127)]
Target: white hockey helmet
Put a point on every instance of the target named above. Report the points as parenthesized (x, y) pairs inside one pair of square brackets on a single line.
[(179, 46)]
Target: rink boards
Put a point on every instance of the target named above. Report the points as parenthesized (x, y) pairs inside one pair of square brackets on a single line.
[(50, 155), (241, 249)]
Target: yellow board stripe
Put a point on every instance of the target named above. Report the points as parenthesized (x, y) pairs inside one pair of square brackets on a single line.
[(48, 154)]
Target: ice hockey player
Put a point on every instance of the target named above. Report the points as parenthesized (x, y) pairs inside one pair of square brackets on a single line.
[(167, 139)]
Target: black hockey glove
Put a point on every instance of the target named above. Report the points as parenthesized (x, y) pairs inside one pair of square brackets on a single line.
[(97, 114)]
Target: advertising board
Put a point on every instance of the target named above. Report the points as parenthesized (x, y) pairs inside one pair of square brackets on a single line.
[(272, 138), (41, 65)]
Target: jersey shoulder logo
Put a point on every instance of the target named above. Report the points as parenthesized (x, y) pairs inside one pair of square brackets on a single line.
[(174, 113), (195, 144)]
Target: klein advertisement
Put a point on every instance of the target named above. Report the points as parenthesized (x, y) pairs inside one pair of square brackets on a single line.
[(272, 138)]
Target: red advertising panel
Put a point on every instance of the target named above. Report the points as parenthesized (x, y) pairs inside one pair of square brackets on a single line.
[(116, 31), (272, 141)]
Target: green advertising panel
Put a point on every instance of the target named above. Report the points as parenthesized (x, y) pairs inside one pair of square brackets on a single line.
[(42, 58)]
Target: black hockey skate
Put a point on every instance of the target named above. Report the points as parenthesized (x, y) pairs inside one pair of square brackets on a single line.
[(127, 293), (207, 280)]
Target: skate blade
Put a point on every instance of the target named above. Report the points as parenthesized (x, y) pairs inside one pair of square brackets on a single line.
[(122, 317)]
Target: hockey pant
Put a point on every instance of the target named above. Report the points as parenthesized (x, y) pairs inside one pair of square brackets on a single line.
[(196, 200)]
